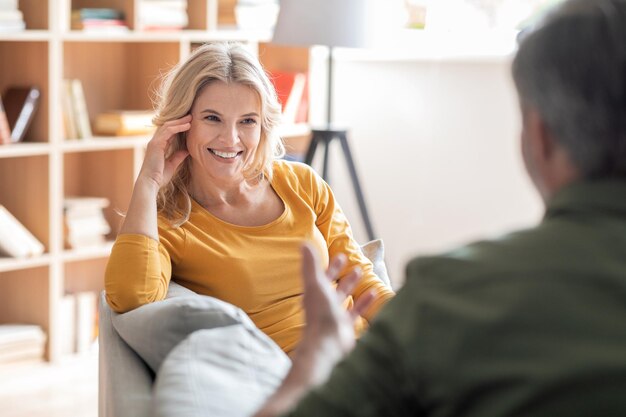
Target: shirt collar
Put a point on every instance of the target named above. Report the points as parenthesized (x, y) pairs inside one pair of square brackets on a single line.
[(598, 195)]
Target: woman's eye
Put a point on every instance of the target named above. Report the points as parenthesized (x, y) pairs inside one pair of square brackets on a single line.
[(249, 121), (212, 118)]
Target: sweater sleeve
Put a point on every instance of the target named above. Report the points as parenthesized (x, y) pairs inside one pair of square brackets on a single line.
[(335, 228), (140, 268)]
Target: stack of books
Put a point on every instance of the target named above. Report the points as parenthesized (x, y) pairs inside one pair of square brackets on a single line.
[(15, 239), (21, 342), (162, 14), (11, 18), (256, 14), (85, 224), (98, 20)]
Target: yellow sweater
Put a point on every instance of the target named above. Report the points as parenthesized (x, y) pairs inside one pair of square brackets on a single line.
[(254, 268)]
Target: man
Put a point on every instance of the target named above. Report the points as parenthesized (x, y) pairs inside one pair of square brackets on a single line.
[(532, 324)]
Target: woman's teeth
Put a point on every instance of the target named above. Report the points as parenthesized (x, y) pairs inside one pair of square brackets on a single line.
[(225, 155)]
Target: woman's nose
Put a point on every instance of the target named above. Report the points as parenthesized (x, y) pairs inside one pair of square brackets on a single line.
[(230, 134)]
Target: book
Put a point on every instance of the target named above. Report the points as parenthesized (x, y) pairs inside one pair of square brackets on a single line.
[(69, 113), (20, 104), (125, 122), (292, 91), (67, 324), (85, 325), (81, 115), (5, 131), (15, 239), (75, 114)]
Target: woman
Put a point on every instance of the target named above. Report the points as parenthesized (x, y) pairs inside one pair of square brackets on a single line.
[(215, 209)]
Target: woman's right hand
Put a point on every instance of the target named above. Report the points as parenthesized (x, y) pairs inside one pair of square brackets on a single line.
[(156, 167)]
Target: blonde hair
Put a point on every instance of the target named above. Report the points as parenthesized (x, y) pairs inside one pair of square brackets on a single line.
[(215, 62)]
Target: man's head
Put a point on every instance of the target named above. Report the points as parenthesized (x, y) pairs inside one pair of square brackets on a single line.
[(570, 73)]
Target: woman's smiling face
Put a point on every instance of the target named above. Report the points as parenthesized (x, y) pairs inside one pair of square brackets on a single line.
[(225, 130)]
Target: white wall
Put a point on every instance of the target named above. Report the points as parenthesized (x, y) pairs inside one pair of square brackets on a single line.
[(436, 146)]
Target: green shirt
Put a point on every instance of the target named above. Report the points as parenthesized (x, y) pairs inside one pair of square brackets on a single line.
[(531, 324)]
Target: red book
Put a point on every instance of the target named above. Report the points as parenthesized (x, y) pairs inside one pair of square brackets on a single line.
[(292, 90), (5, 131)]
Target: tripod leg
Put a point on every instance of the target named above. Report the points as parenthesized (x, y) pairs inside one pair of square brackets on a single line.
[(325, 167), (310, 153), (357, 186)]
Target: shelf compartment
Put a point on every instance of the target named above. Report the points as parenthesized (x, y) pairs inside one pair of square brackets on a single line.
[(85, 275), (24, 192), (107, 174), (25, 297), (118, 75), (26, 63), (35, 13)]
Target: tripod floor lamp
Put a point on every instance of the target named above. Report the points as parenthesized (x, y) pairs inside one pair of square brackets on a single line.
[(332, 23)]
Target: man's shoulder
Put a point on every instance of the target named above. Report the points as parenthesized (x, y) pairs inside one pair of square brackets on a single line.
[(509, 256)]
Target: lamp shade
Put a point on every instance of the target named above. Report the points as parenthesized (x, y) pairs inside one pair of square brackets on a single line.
[(321, 22)]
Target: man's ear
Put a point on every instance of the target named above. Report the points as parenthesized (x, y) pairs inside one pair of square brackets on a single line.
[(541, 140)]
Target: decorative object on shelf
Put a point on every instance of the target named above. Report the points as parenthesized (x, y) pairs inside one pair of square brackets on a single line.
[(256, 14), (416, 13), (85, 224), (162, 14), (75, 114), (19, 342), (11, 17), (15, 239), (292, 91), (98, 20), (20, 105), (5, 130), (125, 123), (332, 24)]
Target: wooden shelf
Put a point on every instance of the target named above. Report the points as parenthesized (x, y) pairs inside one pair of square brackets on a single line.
[(26, 36), (102, 143), (225, 34), (24, 149), (85, 254), (12, 264)]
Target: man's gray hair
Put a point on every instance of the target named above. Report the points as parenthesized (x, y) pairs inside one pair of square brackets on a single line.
[(571, 68)]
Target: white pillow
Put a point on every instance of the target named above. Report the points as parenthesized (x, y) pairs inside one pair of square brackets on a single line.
[(154, 329), (375, 251), (226, 371)]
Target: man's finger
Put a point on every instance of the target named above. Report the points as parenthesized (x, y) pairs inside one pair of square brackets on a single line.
[(362, 304), (311, 268), (336, 265), (347, 284)]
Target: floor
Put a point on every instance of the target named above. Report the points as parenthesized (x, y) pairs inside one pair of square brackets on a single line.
[(68, 388)]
